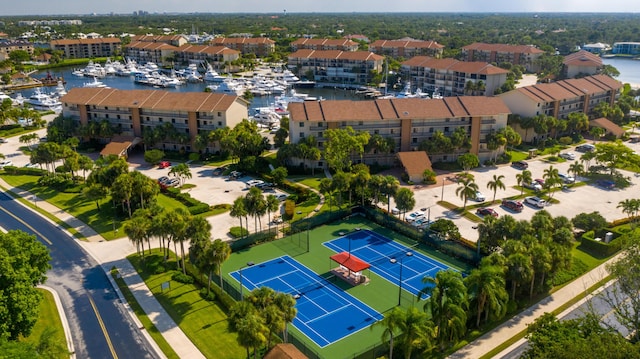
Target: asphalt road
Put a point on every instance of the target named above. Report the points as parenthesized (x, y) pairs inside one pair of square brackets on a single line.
[(99, 324)]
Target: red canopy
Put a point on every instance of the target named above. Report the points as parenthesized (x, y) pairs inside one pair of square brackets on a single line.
[(351, 262)]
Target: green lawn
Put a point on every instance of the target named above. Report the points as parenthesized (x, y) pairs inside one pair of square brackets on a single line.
[(518, 155), (48, 318), (313, 182), (144, 319), (205, 323)]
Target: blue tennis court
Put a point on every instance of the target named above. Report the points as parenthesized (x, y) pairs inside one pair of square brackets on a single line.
[(325, 313), (378, 251)]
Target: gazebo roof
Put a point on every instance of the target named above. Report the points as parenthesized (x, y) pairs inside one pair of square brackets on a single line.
[(350, 261)]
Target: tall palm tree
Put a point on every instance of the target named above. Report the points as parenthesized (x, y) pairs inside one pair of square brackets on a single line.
[(391, 324), (136, 229), (220, 252), (486, 287), (551, 179), (447, 305), (466, 190), (541, 259), (523, 178), (273, 204), (519, 270), (629, 206), (327, 189), (417, 330), (496, 184), (239, 211), (390, 187), (287, 305)]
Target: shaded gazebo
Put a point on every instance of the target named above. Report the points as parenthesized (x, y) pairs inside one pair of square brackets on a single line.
[(350, 268)]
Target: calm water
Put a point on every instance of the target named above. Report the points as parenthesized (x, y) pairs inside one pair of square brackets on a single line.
[(126, 83), (629, 70)]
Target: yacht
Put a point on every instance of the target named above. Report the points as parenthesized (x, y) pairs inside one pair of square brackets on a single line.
[(230, 87), (44, 102), (60, 90), (4, 96), (94, 70), (95, 84), (212, 76)]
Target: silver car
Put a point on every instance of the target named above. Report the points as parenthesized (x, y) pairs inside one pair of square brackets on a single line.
[(536, 201)]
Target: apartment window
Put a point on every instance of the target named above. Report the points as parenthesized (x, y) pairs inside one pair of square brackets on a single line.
[(391, 131), (301, 134), (106, 116), (344, 123), (173, 120), (376, 132), (320, 144), (430, 129), (186, 122), (360, 123), (320, 134), (446, 129), (95, 115), (301, 124), (148, 119), (219, 114), (219, 123), (118, 117), (414, 140)]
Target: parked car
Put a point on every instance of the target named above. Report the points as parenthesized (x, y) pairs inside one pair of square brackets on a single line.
[(235, 175), (3, 140), (486, 211), (540, 181), (164, 164), (163, 179), (4, 163), (515, 206), (606, 184), (479, 197), (534, 186), (254, 183), (421, 222), (568, 155), (536, 201), (586, 147), (31, 165), (218, 171), (414, 216), (173, 182), (395, 211), (521, 165), (282, 196), (566, 178)]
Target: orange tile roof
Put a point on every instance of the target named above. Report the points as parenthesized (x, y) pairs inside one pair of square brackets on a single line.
[(213, 50), (476, 67), (393, 109), (327, 42), (571, 88), (481, 46), (102, 40), (415, 162), (582, 58), (157, 38), (407, 43), (607, 125), (151, 46), (150, 99), (337, 54), (285, 351), (242, 40)]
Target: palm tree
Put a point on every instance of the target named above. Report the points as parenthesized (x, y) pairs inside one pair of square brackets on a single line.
[(220, 252), (466, 190), (541, 258), (287, 305), (391, 324), (136, 229), (519, 270), (249, 324), (417, 330), (576, 168), (523, 178), (405, 200), (551, 179), (495, 184), (273, 204), (239, 211), (326, 189), (447, 305), (390, 187), (486, 287), (629, 206)]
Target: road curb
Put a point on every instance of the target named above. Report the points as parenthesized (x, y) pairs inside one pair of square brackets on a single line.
[(63, 319)]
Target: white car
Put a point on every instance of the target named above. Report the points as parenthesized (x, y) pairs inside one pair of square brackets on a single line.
[(414, 216), (5, 163), (536, 201), (479, 197), (534, 186), (253, 183), (3, 140), (568, 155), (566, 178), (282, 196)]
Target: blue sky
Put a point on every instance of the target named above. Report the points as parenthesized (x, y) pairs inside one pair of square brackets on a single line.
[(49, 7)]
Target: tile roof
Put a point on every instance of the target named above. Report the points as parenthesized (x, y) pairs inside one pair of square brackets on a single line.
[(607, 125), (242, 40), (336, 54), (570, 88), (151, 46), (394, 109), (476, 67), (157, 38), (407, 43), (326, 42), (582, 58), (150, 99), (481, 46), (415, 162), (213, 50)]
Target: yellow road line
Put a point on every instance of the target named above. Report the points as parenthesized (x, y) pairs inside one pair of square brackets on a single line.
[(104, 329), (27, 225)]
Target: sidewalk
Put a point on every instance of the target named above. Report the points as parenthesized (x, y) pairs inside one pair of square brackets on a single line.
[(515, 325), (113, 253)]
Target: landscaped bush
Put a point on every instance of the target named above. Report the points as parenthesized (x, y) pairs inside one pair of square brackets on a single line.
[(199, 208), (194, 206), (182, 278), (238, 232), (289, 208), (25, 171), (225, 206), (600, 247), (566, 140), (207, 295)]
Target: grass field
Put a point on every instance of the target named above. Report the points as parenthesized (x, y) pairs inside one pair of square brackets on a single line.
[(379, 294), (48, 318)]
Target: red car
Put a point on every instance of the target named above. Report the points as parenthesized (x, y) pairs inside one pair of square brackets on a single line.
[(164, 164), (512, 205), (485, 211)]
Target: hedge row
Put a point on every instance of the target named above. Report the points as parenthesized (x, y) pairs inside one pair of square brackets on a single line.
[(194, 206)]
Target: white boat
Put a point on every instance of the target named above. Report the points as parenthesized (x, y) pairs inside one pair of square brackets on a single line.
[(4, 96), (95, 84), (93, 70), (229, 86), (190, 73), (212, 76), (43, 102), (60, 90), (267, 116), (19, 100)]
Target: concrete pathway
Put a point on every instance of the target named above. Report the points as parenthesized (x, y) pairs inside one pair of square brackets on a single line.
[(515, 325), (113, 253)]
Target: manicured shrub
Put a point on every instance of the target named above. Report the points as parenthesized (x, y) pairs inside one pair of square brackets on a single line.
[(182, 278), (208, 296), (238, 232)]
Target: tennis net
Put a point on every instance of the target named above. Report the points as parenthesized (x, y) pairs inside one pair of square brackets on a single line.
[(313, 285)]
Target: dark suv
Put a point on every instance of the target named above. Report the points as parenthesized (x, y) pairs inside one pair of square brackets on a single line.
[(512, 205), (521, 165)]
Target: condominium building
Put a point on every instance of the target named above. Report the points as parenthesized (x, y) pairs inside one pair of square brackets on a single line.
[(626, 48), (581, 63), (559, 99), (407, 121), (259, 46), (450, 77), (216, 56), (406, 48), (334, 66), (157, 52), (524, 55), (324, 44), (87, 48), (6, 47), (133, 112)]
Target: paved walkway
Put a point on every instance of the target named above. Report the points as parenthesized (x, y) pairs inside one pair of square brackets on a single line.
[(113, 253), (515, 325)]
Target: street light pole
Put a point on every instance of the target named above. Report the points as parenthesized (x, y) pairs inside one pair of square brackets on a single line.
[(393, 260)]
